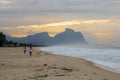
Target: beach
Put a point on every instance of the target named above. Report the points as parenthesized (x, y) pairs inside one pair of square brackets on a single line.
[(15, 65)]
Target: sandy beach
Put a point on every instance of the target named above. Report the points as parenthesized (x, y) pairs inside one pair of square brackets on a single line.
[(15, 65)]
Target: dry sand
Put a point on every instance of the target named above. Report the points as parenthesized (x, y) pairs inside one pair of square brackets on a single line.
[(15, 65)]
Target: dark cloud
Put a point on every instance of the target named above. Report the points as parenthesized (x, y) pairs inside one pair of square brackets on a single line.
[(19, 9)]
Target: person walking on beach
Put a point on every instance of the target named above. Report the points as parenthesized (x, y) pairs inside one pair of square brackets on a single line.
[(30, 50), (25, 49)]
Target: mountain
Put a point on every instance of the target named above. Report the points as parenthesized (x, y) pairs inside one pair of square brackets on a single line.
[(36, 39), (69, 36)]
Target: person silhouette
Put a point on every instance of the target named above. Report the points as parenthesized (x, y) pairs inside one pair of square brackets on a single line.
[(24, 49), (30, 50)]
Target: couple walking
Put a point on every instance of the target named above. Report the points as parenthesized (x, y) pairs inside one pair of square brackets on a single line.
[(30, 50)]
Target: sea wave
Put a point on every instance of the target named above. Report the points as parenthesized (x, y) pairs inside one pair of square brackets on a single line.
[(104, 56)]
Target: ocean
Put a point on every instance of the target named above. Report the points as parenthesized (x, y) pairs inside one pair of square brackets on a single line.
[(109, 57)]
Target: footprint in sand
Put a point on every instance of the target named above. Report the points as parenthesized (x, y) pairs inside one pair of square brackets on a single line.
[(47, 71)]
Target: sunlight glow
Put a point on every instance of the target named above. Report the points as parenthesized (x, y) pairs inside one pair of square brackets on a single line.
[(51, 28)]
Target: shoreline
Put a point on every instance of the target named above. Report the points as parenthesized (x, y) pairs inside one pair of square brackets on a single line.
[(103, 67), (15, 65), (107, 68)]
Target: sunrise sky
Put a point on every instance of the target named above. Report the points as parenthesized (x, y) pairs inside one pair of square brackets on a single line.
[(98, 20)]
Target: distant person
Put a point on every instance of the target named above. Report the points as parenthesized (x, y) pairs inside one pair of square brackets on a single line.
[(25, 49), (30, 50)]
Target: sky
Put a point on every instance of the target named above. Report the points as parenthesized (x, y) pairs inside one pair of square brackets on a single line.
[(98, 20)]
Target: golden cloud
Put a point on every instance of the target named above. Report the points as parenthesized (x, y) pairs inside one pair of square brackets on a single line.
[(51, 28), (103, 34)]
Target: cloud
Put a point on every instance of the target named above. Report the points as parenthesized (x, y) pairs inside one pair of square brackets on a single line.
[(103, 34), (72, 9), (66, 23), (5, 2), (78, 22), (51, 27)]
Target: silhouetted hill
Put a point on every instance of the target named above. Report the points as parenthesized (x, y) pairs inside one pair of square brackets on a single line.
[(69, 36), (36, 39)]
